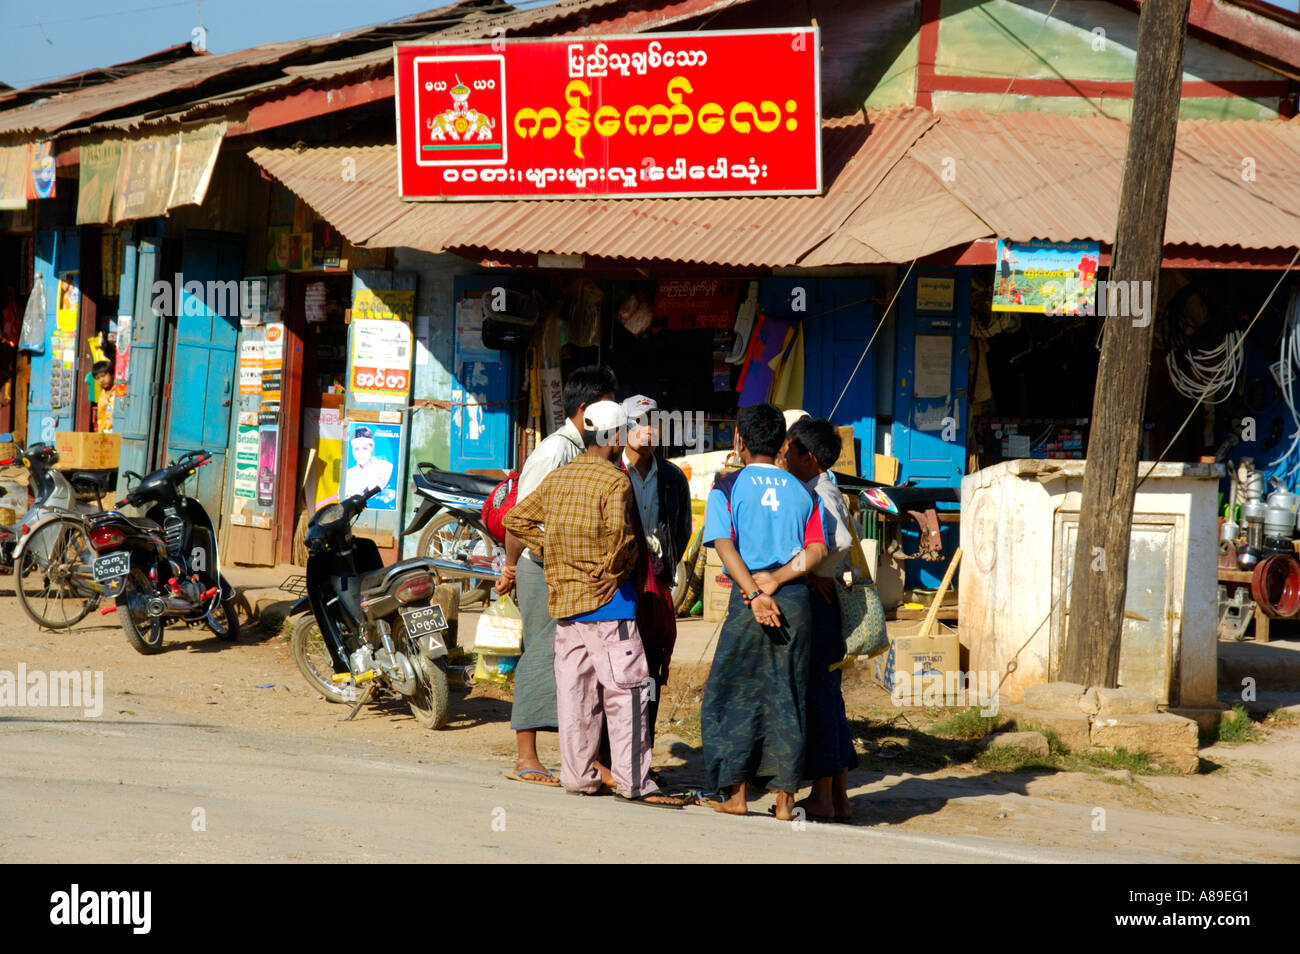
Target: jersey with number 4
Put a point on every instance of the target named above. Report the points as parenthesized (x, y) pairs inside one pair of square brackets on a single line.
[(767, 512)]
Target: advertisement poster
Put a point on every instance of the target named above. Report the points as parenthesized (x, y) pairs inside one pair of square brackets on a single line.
[(1052, 278), (665, 114), (194, 164), (13, 176), (267, 452), (145, 178), (697, 302), (380, 361), (122, 360), (42, 182), (250, 367), (65, 313), (373, 452), (384, 303), (272, 362), (96, 177), (247, 451)]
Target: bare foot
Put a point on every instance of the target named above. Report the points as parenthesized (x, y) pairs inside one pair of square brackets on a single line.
[(784, 810), (606, 776), (816, 808), (736, 804)]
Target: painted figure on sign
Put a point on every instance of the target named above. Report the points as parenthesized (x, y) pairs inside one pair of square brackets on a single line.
[(369, 470), (461, 122)]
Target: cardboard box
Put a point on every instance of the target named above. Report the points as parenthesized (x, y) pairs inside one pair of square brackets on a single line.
[(717, 588), (848, 460), (925, 659), (79, 451)]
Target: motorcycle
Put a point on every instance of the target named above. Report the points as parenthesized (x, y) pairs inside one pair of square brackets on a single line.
[(47, 549), (457, 544), (162, 567), (369, 624)]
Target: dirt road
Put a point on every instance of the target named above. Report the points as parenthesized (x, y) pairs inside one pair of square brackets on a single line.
[(212, 752)]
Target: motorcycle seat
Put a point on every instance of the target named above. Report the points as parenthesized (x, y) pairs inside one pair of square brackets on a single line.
[(467, 483), (88, 481), (379, 579)]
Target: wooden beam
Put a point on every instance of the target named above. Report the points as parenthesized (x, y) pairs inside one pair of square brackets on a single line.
[(927, 51), (309, 103), (1097, 89), (1100, 584)]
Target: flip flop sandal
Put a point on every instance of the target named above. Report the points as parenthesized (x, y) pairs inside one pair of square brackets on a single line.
[(519, 777), (642, 800), (702, 797)]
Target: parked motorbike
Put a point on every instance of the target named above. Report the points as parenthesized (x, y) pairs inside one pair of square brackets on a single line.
[(162, 567), (47, 548), (369, 624), (457, 544)]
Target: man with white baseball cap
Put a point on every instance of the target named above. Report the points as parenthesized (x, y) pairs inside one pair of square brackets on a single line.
[(581, 519)]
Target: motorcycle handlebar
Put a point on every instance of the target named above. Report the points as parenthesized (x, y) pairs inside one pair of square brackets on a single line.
[(6, 462)]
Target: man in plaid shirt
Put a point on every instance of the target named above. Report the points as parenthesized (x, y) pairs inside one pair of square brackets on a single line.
[(579, 519)]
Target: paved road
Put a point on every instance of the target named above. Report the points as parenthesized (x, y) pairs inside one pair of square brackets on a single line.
[(108, 791)]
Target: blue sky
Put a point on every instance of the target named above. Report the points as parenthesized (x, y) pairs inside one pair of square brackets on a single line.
[(43, 41)]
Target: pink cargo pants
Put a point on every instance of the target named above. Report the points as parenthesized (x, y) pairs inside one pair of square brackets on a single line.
[(600, 670)]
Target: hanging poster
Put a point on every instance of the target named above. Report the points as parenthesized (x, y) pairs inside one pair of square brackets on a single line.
[(247, 451), (277, 248), (380, 360), (1053, 278), (41, 183), (194, 164), (146, 176), (96, 179), (14, 172), (373, 453), (122, 365), (933, 366), (250, 367), (697, 302)]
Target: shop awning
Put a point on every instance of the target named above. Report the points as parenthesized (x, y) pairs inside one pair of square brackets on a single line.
[(1040, 176), (760, 232)]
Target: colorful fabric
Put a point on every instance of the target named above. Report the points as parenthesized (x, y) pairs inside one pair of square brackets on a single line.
[(600, 669), (579, 519), (767, 512), (754, 711)]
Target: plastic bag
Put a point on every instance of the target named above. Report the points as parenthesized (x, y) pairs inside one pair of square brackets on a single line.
[(32, 337), (500, 629)]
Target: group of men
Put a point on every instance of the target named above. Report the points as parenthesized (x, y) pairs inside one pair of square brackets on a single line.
[(600, 523)]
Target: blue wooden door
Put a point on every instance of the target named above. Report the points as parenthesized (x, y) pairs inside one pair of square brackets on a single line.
[(930, 404), (136, 414), (838, 318), (52, 394), (204, 366), (484, 379)]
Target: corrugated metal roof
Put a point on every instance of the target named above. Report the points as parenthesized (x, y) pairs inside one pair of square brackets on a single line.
[(354, 188), (909, 215), (763, 231), (1042, 176)]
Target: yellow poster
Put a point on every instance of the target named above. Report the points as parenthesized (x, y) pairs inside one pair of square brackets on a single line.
[(69, 301)]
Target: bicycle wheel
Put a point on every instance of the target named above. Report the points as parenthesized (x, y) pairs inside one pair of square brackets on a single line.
[(53, 579)]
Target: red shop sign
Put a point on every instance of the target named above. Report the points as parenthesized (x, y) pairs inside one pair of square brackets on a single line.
[(663, 114), (697, 302)]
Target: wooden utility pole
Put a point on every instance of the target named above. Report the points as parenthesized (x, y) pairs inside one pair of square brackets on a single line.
[(1097, 593)]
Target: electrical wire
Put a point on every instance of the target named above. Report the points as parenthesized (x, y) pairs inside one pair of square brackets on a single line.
[(1211, 374), (1289, 360)]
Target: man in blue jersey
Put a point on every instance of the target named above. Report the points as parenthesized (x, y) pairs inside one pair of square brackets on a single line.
[(760, 519)]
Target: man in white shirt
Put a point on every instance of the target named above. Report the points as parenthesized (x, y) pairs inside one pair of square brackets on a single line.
[(534, 706)]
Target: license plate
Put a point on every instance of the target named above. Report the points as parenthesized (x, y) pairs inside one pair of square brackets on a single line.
[(424, 620), (111, 566)]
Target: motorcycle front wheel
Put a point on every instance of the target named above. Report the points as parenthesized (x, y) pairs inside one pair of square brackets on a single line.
[(143, 632), (431, 701), (449, 537), (314, 661)]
